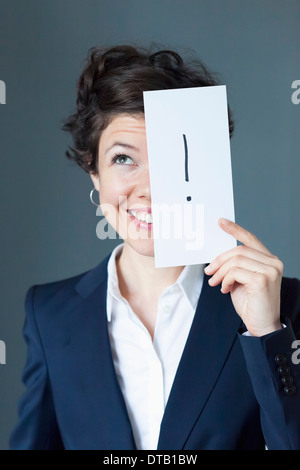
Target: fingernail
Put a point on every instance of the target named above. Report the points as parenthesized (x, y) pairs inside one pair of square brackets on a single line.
[(207, 269)]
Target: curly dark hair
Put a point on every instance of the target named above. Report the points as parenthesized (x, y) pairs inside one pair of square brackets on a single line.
[(113, 81)]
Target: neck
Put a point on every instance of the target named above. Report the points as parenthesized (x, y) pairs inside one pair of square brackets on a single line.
[(139, 277)]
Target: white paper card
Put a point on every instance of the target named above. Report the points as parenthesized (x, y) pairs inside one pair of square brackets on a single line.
[(190, 173)]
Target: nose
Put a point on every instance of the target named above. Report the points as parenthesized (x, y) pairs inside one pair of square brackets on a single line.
[(142, 188)]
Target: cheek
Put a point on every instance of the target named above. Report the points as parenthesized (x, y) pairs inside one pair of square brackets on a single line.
[(113, 199), (112, 191)]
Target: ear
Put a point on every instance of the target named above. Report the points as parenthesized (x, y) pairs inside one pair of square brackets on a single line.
[(95, 179)]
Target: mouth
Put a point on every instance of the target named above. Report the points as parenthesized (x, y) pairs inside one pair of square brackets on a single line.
[(141, 217)]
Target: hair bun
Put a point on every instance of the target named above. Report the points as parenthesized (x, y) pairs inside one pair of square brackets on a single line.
[(113, 81), (165, 59)]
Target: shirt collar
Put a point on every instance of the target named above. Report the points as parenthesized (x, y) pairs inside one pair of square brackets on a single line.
[(112, 280), (190, 281)]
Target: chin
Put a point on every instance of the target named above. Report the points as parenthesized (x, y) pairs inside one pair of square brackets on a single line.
[(142, 247)]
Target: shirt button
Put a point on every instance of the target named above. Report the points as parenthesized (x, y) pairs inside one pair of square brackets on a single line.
[(167, 309)]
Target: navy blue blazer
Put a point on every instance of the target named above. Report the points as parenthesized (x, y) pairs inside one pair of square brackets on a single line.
[(228, 391)]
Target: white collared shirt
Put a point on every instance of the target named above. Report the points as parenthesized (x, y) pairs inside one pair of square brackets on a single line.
[(146, 368)]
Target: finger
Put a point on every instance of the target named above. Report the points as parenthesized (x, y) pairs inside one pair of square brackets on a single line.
[(242, 235), (254, 266), (244, 277), (243, 251)]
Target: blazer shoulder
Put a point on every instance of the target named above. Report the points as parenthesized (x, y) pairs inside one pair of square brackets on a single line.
[(81, 284)]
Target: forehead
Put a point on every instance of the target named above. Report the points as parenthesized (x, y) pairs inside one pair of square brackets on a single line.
[(124, 125)]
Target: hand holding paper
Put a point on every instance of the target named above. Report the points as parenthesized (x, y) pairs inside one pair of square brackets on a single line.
[(253, 276)]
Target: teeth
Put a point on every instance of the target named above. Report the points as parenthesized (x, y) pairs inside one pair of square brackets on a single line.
[(142, 216)]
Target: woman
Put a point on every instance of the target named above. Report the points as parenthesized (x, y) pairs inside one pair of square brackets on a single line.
[(127, 356)]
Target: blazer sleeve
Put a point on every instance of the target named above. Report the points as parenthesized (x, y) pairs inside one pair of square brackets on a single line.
[(37, 428), (274, 369)]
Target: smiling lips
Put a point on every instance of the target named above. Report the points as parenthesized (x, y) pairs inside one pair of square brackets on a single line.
[(141, 217)]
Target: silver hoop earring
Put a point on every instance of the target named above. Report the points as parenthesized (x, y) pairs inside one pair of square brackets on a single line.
[(91, 198)]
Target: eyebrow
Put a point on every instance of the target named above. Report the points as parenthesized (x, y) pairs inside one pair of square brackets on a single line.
[(121, 144)]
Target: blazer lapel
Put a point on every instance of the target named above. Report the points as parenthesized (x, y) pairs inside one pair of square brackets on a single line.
[(92, 355), (212, 334)]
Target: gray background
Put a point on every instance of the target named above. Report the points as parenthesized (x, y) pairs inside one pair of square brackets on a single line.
[(48, 225)]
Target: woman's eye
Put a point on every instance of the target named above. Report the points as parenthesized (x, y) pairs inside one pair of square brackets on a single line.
[(123, 160)]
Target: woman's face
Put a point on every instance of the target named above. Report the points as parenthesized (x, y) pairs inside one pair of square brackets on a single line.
[(123, 181)]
